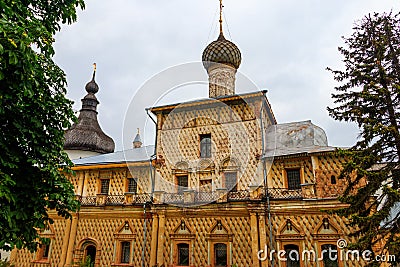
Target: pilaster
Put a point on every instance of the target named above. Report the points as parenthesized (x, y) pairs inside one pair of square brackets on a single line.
[(71, 243), (153, 246), (161, 237), (254, 239)]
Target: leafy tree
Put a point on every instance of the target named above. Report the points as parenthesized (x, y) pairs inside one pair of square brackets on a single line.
[(369, 95), (33, 115), (5, 263)]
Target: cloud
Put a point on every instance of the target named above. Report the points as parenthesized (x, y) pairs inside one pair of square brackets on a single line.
[(285, 46)]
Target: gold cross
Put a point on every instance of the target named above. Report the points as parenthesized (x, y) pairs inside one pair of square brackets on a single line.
[(220, 15)]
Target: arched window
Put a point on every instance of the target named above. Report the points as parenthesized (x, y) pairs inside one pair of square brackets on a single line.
[(90, 251), (292, 256), (220, 255), (329, 255), (183, 254)]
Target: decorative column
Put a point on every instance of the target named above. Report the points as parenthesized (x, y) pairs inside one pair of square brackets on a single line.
[(153, 246), (65, 243), (71, 242)]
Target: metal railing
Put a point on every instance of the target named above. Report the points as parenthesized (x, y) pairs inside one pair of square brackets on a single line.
[(238, 195), (88, 201), (205, 197), (113, 200), (283, 193), (197, 197), (141, 198), (173, 198)]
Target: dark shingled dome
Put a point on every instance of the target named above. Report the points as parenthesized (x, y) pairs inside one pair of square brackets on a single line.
[(222, 51), (86, 134)]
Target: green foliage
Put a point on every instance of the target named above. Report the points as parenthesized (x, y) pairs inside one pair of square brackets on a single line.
[(369, 95), (6, 263), (87, 262), (34, 112)]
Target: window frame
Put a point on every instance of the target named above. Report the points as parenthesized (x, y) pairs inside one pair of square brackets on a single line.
[(180, 188), (101, 186), (289, 183), (215, 258), (43, 252), (290, 247), (123, 251), (323, 256), (179, 263), (205, 145), (135, 185)]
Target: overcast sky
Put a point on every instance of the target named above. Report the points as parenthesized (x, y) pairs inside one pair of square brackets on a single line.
[(285, 45)]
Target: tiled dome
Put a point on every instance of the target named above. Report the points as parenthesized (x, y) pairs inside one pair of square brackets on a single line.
[(222, 51), (86, 134)]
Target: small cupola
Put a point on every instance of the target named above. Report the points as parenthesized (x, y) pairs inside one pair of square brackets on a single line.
[(137, 142)]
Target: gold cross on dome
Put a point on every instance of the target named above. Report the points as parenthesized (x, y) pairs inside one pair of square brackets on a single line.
[(220, 15)]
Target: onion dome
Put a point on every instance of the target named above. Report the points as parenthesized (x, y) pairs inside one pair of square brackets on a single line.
[(92, 87), (86, 134), (221, 51)]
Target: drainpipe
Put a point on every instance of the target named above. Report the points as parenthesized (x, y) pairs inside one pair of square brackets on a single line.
[(144, 233), (152, 170), (267, 210)]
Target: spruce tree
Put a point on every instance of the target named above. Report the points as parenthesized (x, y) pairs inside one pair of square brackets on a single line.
[(369, 95)]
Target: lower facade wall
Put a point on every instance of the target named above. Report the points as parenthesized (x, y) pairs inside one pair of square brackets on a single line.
[(238, 239), (243, 227)]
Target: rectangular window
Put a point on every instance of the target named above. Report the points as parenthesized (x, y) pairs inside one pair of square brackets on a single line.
[(125, 252), (293, 179), (183, 254), (105, 183), (220, 255), (132, 185), (182, 183), (231, 181), (43, 252), (330, 261), (46, 250), (292, 255), (205, 145)]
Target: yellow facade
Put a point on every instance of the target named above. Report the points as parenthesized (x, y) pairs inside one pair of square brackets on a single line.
[(224, 185), (158, 224)]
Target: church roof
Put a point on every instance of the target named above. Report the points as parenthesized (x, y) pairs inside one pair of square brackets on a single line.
[(86, 134), (131, 155), (295, 138)]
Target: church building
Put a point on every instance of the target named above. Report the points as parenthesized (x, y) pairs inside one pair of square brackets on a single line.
[(223, 185)]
